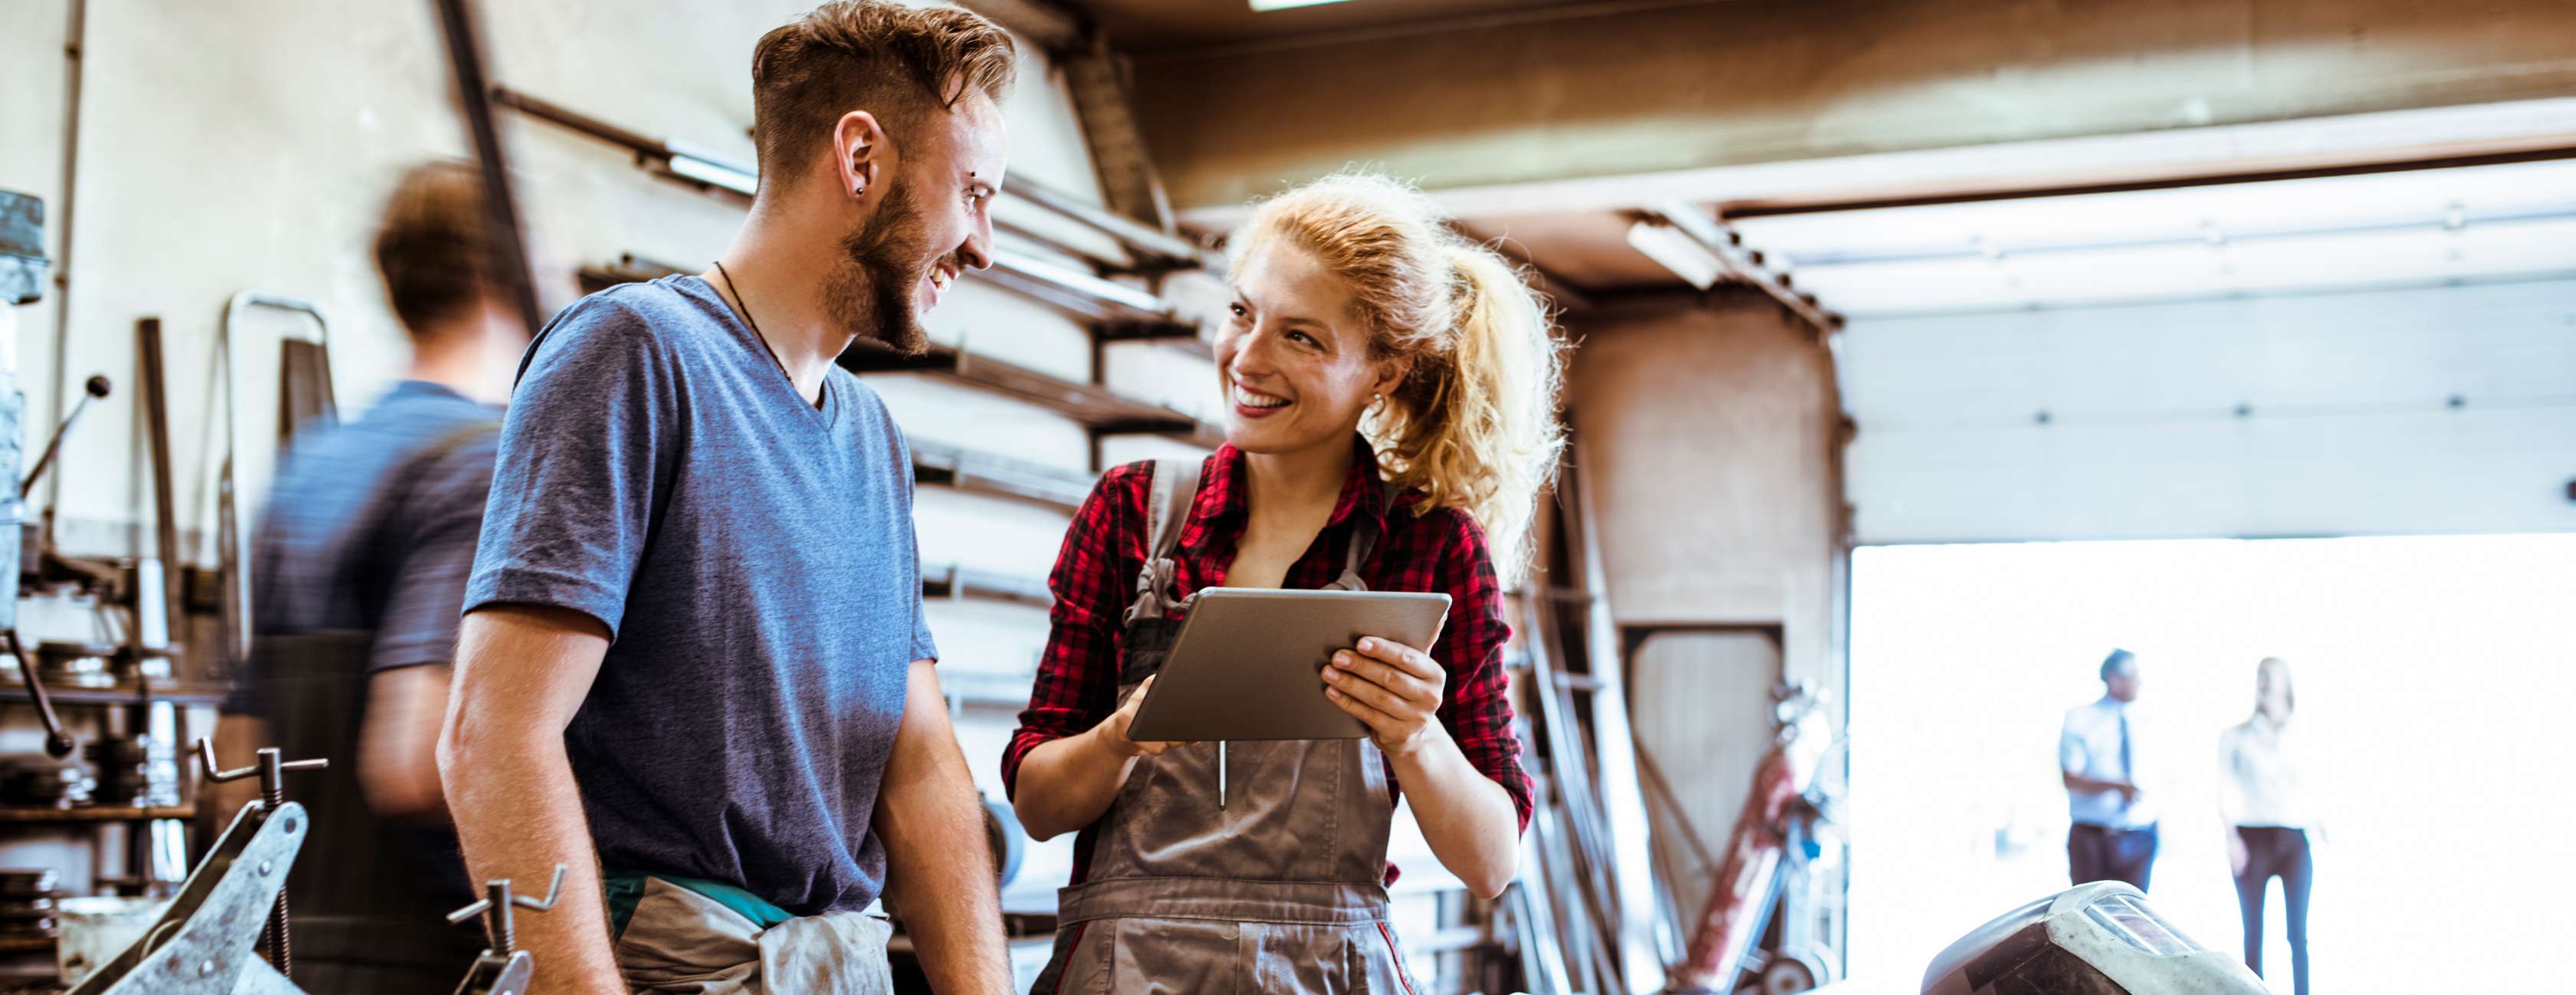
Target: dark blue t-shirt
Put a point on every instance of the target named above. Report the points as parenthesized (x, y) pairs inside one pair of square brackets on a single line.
[(753, 558), (370, 527)]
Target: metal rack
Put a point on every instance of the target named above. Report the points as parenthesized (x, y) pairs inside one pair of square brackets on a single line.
[(1101, 411), (998, 476)]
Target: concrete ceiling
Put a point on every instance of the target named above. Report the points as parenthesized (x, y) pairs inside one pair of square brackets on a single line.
[(1147, 27)]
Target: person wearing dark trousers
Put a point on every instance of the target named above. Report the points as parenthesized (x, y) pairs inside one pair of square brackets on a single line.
[(2268, 818), (2113, 836), (357, 575)]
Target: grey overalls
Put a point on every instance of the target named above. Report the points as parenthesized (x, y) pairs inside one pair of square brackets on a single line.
[(1280, 889)]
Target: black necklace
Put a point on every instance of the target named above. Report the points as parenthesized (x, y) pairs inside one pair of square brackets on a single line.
[(745, 307)]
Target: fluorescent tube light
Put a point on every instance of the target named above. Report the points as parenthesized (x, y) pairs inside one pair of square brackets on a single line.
[(1259, 5), (715, 173), (1678, 252)]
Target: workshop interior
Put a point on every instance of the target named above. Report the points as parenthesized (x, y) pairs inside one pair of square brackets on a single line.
[(1866, 496)]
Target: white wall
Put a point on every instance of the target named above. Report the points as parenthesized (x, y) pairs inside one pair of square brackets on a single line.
[(2348, 431)]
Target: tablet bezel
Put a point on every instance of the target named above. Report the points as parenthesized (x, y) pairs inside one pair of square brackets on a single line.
[(1248, 663)]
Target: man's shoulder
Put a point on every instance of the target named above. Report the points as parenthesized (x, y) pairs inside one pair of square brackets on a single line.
[(656, 321)]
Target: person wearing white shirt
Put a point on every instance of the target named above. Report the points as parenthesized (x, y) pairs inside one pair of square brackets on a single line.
[(2113, 835), (2268, 817)]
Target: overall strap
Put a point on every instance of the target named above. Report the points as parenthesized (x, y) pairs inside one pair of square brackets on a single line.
[(1173, 488), (1362, 542)]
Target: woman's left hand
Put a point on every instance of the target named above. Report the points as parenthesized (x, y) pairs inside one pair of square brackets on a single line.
[(1394, 689)]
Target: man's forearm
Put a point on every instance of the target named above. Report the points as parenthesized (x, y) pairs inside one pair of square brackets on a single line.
[(2080, 782), (518, 815), (943, 885)]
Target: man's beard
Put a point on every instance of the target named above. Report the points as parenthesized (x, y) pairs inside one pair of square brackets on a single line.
[(871, 289)]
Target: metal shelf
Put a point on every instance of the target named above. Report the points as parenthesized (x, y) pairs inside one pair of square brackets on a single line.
[(990, 689), (100, 813), (1097, 408), (979, 473), (965, 582), (1084, 293), (177, 694)]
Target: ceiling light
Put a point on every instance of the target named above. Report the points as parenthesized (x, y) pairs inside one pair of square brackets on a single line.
[(1678, 252), (1286, 4)]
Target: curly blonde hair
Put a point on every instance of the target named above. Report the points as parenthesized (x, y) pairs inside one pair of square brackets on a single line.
[(1474, 425)]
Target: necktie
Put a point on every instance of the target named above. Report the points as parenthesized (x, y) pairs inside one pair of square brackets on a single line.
[(2127, 772)]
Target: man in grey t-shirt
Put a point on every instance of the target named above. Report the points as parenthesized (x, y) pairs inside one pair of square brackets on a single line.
[(693, 665)]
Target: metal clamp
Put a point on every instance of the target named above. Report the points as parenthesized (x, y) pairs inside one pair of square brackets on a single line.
[(495, 907), (271, 770), (504, 969)]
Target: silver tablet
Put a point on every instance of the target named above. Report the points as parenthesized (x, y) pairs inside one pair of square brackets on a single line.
[(1249, 662)]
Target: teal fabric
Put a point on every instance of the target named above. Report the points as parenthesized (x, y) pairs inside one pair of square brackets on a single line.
[(626, 889)]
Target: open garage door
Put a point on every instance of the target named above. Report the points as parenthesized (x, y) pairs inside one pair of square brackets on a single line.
[(2443, 409), (2366, 354)]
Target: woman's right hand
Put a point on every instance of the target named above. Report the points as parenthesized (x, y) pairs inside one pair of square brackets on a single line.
[(1112, 731)]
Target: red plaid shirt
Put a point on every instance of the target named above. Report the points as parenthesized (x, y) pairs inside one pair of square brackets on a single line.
[(1095, 580)]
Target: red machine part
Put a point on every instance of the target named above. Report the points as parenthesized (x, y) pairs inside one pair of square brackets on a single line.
[(1726, 924)]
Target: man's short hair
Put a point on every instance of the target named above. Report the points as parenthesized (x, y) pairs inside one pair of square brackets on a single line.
[(434, 246), (888, 59), (2116, 662)]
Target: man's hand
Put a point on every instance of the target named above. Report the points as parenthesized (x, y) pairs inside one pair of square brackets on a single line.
[(2237, 857), (1393, 688)]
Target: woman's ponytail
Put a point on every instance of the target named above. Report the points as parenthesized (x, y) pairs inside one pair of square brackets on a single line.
[(1474, 426)]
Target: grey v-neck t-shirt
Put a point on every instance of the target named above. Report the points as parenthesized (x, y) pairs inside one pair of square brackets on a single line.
[(754, 560)]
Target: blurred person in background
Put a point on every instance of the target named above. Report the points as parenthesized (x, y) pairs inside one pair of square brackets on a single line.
[(2113, 835), (2268, 815), (360, 571)]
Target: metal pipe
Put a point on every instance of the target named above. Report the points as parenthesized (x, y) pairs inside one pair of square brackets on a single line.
[(465, 56), (75, 44), (1136, 236), (232, 542), (156, 424)]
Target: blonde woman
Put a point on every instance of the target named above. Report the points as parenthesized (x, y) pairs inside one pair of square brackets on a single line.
[(2268, 816), (1392, 417)]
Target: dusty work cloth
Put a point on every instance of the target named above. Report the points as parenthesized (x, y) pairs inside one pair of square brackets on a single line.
[(1271, 888), (680, 942)]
